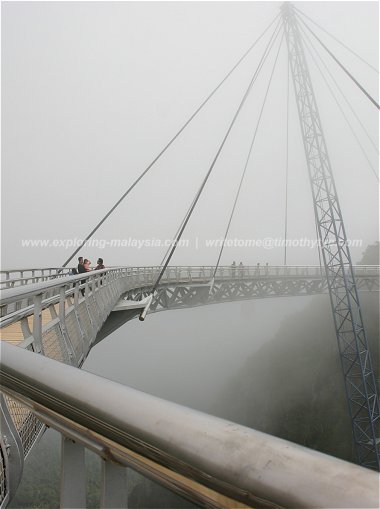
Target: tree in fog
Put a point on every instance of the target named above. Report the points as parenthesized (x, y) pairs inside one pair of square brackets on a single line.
[(293, 386)]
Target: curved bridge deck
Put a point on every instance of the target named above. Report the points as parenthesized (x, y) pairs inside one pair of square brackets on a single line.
[(62, 317), (181, 287)]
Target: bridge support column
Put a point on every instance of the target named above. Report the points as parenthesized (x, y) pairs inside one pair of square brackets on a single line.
[(359, 376), (73, 475), (113, 486)]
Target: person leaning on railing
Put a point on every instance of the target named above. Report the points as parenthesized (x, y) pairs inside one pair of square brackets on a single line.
[(87, 265), (100, 266), (82, 269)]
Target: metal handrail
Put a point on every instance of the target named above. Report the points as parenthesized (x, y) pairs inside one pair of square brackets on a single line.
[(17, 302), (231, 459), (77, 310), (75, 313), (10, 295), (310, 270)]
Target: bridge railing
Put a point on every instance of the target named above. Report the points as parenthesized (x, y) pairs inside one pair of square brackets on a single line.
[(206, 273), (210, 461), (60, 296), (60, 317), (19, 300), (19, 277), (147, 275)]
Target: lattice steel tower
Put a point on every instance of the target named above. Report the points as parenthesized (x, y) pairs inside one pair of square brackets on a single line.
[(359, 377)]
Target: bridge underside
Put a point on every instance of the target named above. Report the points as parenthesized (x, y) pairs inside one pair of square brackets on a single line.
[(186, 295)]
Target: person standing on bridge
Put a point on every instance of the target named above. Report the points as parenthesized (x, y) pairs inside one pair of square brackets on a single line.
[(82, 269), (100, 265), (80, 265)]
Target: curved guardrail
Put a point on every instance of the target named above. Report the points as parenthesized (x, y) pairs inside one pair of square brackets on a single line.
[(73, 310), (60, 316), (19, 277), (16, 277), (192, 453)]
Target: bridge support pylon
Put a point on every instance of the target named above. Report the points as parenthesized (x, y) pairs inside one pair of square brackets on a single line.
[(359, 377)]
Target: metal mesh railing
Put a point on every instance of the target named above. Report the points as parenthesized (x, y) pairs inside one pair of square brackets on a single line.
[(26, 423), (83, 317), (75, 336), (85, 314), (54, 346), (3, 474), (29, 432)]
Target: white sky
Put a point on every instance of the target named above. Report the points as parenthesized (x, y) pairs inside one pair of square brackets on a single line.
[(92, 91)]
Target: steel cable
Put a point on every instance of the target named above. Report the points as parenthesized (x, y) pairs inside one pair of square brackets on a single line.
[(341, 91), (169, 143), (342, 66), (337, 102), (247, 160), (336, 39), (195, 201), (287, 164)]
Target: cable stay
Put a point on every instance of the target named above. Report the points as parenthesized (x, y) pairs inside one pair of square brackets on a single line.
[(336, 39), (375, 146), (88, 237), (177, 232), (174, 243), (340, 64), (337, 102), (189, 213), (246, 163), (286, 163)]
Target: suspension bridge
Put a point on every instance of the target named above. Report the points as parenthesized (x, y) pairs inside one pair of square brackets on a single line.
[(51, 318)]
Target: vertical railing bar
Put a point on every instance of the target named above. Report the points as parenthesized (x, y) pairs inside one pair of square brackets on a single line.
[(37, 323), (113, 486), (73, 475)]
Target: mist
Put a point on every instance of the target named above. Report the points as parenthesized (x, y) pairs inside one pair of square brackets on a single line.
[(186, 355), (91, 93)]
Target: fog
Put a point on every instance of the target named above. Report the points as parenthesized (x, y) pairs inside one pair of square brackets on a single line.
[(187, 355), (91, 92)]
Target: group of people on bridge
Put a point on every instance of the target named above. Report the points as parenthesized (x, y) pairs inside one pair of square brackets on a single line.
[(84, 265), (241, 270)]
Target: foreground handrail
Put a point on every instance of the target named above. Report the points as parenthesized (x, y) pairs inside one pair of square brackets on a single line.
[(240, 462)]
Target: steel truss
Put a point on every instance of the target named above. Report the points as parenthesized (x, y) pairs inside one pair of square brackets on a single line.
[(359, 377), (182, 295)]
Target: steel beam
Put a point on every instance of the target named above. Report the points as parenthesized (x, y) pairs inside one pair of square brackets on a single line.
[(359, 377)]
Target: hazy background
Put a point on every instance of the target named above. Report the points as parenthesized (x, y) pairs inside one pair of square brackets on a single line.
[(187, 356), (92, 91)]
